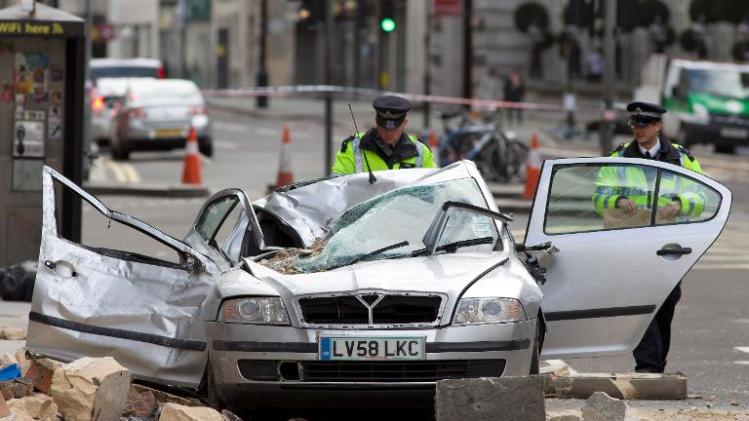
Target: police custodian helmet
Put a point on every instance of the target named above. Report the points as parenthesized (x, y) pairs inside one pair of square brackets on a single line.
[(643, 113), (391, 110)]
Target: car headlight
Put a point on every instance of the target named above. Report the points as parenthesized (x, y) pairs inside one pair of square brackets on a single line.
[(473, 311), (254, 310)]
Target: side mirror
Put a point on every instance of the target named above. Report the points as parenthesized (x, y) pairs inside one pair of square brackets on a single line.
[(439, 223)]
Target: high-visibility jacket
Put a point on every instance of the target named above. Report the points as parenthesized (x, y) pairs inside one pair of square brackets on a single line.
[(631, 182), (360, 149)]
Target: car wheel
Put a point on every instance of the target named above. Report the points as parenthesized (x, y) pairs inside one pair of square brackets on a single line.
[(120, 152), (205, 146), (729, 149)]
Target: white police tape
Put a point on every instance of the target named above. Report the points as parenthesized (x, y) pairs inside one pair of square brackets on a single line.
[(293, 90)]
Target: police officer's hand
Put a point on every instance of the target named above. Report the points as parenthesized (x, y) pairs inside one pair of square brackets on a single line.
[(627, 205), (671, 210)]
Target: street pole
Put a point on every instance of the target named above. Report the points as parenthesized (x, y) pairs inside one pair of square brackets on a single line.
[(609, 77), (427, 73), (182, 22), (328, 81), (467, 49), (262, 73)]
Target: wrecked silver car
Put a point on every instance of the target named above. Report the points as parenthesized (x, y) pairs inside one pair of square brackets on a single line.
[(339, 286)]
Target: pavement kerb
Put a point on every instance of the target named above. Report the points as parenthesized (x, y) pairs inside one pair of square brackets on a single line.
[(147, 190)]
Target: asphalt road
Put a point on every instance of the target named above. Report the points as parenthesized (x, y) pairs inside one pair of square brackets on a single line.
[(711, 326)]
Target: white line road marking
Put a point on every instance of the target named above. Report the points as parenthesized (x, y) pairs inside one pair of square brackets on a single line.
[(742, 348), (265, 131), (220, 144), (721, 258), (132, 175), (230, 127), (741, 362), (119, 174)]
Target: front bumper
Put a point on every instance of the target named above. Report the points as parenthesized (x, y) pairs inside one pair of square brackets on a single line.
[(719, 131), (276, 366), (146, 135)]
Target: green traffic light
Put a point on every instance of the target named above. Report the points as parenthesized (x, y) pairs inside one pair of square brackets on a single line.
[(387, 24)]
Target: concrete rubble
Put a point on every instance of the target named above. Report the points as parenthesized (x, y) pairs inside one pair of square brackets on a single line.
[(518, 398), (90, 389), (560, 381), (602, 407), (176, 412), (12, 333)]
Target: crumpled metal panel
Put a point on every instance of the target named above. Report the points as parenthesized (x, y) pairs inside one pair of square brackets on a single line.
[(312, 209), (149, 317)]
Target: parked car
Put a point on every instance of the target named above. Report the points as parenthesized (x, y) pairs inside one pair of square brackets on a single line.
[(337, 288), (129, 67), (156, 114), (106, 100)]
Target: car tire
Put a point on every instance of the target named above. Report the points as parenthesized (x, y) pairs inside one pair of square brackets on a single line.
[(120, 152), (205, 146), (727, 149)]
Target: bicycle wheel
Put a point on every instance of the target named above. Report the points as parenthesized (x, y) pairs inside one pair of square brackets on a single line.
[(516, 157), (490, 163)]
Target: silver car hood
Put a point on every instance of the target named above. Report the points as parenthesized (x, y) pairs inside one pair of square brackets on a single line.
[(447, 273)]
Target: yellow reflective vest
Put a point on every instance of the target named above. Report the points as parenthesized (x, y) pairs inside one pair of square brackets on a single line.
[(357, 155), (631, 182)]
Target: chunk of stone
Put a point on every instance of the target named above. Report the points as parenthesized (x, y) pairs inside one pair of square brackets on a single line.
[(16, 388), (516, 398), (40, 373), (602, 407), (4, 410), (22, 361), (164, 397), (91, 389), (140, 403), (565, 415), (13, 333), (39, 407), (622, 386), (176, 412)]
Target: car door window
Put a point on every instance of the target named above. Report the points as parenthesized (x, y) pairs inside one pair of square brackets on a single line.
[(585, 198), (696, 202), (213, 217)]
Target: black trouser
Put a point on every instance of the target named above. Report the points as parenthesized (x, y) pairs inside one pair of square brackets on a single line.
[(650, 354)]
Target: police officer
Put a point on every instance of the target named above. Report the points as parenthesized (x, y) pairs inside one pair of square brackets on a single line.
[(675, 200), (386, 146)]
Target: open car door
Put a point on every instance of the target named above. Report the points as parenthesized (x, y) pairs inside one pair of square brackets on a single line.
[(144, 311), (614, 269)]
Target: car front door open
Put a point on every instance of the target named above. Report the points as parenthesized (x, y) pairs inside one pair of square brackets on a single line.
[(614, 269), (140, 308)]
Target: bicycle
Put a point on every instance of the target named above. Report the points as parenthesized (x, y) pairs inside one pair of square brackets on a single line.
[(498, 157)]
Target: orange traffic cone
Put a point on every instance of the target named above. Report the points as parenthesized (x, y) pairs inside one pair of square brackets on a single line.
[(191, 169), (433, 142), (532, 169), (285, 175)]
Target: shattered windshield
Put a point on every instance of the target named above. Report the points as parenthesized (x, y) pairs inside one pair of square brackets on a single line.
[(392, 225)]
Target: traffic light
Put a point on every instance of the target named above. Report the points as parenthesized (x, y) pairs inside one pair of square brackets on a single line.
[(387, 16)]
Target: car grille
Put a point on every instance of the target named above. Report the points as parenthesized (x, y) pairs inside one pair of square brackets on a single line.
[(391, 309), (412, 371)]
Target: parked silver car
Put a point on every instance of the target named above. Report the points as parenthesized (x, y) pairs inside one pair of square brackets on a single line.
[(157, 114), (107, 98), (338, 287)]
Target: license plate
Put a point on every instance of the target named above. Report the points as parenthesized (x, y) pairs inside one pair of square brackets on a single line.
[(734, 133), (168, 133), (371, 348)]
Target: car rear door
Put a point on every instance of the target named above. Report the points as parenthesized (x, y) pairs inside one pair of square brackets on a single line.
[(139, 308), (613, 271)]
